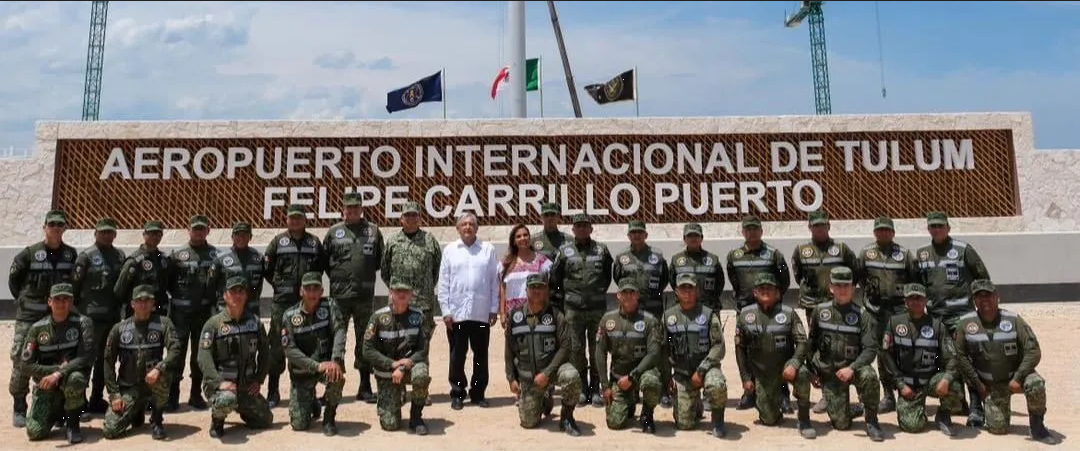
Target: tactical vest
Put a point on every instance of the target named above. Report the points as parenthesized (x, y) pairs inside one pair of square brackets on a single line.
[(646, 269), (548, 243), (995, 353), (249, 266), (767, 336), (688, 336), (148, 269), (292, 259), (629, 340), (191, 266), (916, 348), (817, 264), (839, 339), (704, 266), (236, 349), (353, 259), (886, 273), (97, 273), (535, 345), (748, 264), (313, 333), (139, 349), (40, 275), (49, 343), (582, 276), (947, 279), (398, 335)]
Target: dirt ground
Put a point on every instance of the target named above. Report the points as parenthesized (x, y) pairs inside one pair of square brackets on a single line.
[(497, 427)]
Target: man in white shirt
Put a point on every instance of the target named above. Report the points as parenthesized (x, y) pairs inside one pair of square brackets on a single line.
[(468, 293)]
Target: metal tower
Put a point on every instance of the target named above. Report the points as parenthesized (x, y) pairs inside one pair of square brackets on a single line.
[(819, 58), (95, 59)]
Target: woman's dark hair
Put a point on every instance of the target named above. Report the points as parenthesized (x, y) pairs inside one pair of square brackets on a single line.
[(512, 249)]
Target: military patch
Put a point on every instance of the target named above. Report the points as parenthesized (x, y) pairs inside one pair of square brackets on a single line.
[(297, 320), (284, 241), (871, 254), (414, 319), (924, 255), (339, 233), (927, 332), (183, 256), (224, 329), (369, 333), (851, 318), (322, 313), (212, 254), (284, 340), (547, 320), (624, 259), (738, 253), (639, 326), (654, 259), (681, 261), (751, 317), (538, 245), (28, 351), (898, 256), (207, 335), (766, 254), (68, 256), (384, 320), (952, 253), (309, 242), (518, 316), (71, 334), (1006, 326), (43, 338), (971, 328), (14, 268), (825, 315), (701, 319), (153, 337), (781, 318), (806, 252), (901, 330), (39, 256), (834, 251), (96, 260), (147, 265), (227, 261), (706, 261), (205, 343), (610, 324), (569, 252), (671, 320), (127, 336)]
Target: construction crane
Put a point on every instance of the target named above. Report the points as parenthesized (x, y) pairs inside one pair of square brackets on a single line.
[(819, 59), (95, 60)]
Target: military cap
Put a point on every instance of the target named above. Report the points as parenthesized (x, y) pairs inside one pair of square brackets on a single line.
[(536, 279), (818, 217), (199, 221), (105, 225), (234, 282), (636, 226), (352, 199), (751, 221), (398, 283), (153, 226), (628, 284), (841, 275), (883, 222), (692, 228), (914, 289), (62, 289), (241, 227), (142, 292), (581, 218), (982, 285), (56, 216), (764, 279), (411, 207), (550, 208), (310, 279), (686, 279), (937, 218), (296, 210)]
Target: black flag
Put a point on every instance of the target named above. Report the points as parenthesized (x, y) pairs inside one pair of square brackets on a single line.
[(617, 89)]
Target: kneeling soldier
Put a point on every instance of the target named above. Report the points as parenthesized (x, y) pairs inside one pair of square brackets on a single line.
[(695, 339), (233, 354), (770, 348), (396, 347), (538, 346), (920, 356), (313, 337), (635, 340), (148, 350), (58, 353)]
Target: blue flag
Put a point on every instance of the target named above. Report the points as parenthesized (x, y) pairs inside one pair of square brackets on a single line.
[(427, 89)]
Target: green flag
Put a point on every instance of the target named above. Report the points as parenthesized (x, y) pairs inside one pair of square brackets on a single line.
[(532, 74)]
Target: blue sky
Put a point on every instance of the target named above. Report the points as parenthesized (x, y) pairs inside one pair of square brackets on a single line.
[(337, 60)]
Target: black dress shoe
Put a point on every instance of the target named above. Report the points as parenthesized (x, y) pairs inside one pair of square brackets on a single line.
[(457, 404)]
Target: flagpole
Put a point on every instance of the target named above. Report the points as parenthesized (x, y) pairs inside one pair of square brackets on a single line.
[(637, 106), (540, 81), (442, 81)]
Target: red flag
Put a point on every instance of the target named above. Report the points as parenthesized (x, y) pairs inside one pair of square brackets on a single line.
[(502, 79)]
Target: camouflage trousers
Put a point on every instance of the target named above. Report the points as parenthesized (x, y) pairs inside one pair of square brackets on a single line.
[(358, 310), (648, 384), (768, 393), (71, 394), (19, 383), (583, 324), (911, 413), (390, 394), (189, 323), (277, 353), (302, 397), (253, 409), (535, 400), (688, 399), (135, 401), (998, 403), (838, 394)]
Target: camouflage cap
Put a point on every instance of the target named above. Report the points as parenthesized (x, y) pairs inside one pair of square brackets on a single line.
[(764, 279), (937, 218), (751, 221), (411, 207), (914, 290), (105, 225), (636, 226), (818, 217), (982, 285), (241, 227), (198, 221), (352, 199), (581, 218), (398, 283), (235, 282), (692, 228), (686, 279), (56, 216), (311, 279), (628, 284), (841, 275), (143, 292), (883, 222), (296, 210), (153, 226), (62, 289), (536, 280), (550, 208)]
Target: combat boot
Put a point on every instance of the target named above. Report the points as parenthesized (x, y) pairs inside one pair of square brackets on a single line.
[(944, 422), (329, 421), (272, 395), (217, 428), (567, 422), (157, 429), (665, 401), (785, 399), (97, 404), (1039, 431), (18, 417), (873, 429), (822, 405), (365, 394), (74, 432), (416, 419), (976, 419), (173, 404), (648, 426), (806, 429), (140, 418), (719, 430), (195, 398), (748, 400), (548, 403), (888, 402)]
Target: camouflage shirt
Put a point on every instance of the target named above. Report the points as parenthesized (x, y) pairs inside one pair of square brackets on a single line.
[(882, 271), (635, 342), (812, 262), (707, 268), (415, 261), (34, 271), (649, 270), (947, 271)]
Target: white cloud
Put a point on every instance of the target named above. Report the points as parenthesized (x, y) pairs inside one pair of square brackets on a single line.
[(334, 60)]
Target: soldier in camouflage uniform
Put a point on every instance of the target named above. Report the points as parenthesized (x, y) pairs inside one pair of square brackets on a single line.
[(946, 268), (289, 256), (537, 354), (549, 240), (314, 340), (921, 359), (744, 264), (844, 346), (233, 355), (635, 339), (240, 260), (396, 346), (583, 272), (770, 348), (695, 340), (148, 265), (34, 270), (193, 301), (998, 353), (354, 249), (647, 268), (705, 265), (96, 271), (882, 269), (57, 352), (413, 256), (148, 350)]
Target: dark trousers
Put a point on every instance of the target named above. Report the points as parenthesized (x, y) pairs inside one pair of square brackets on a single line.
[(465, 335)]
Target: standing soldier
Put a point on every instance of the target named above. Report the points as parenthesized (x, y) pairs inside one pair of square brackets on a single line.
[(57, 352), (34, 271), (233, 355), (193, 301), (549, 240), (148, 265), (770, 349), (314, 341), (921, 365), (240, 260), (635, 340), (695, 338), (705, 265), (353, 249), (538, 347), (582, 272), (883, 268), (146, 346), (843, 347), (96, 271), (289, 256), (396, 346), (744, 264), (947, 267), (998, 353)]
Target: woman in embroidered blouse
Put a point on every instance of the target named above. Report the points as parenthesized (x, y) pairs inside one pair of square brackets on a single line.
[(520, 261)]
